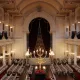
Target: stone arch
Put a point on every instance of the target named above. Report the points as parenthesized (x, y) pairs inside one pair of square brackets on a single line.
[(48, 17)]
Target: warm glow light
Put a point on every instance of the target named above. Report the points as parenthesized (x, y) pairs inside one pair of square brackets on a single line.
[(11, 27), (12, 51), (79, 22), (1, 57), (33, 51), (27, 53), (44, 67), (66, 51), (6, 25), (36, 67), (37, 50), (0, 21), (51, 53), (78, 56), (42, 50)]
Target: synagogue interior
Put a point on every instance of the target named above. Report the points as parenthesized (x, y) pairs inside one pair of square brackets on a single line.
[(39, 39)]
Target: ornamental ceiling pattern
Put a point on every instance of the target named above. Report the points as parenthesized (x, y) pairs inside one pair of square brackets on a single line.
[(53, 7)]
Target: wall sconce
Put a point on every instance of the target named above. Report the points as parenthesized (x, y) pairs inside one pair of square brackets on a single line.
[(11, 27), (6, 25), (0, 22), (78, 21)]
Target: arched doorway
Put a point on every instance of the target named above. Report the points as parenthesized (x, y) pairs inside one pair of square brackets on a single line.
[(33, 33)]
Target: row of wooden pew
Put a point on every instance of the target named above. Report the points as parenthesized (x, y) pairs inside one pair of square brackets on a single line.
[(60, 69), (14, 71), (3, 68), (76, 67)]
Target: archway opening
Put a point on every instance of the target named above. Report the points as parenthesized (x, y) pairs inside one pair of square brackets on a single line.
[(34, 31)]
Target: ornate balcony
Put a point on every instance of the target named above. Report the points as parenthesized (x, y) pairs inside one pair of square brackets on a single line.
[(6, 41), (74, 41)]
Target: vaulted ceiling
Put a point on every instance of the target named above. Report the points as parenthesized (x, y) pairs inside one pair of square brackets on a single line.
[(53, 7)]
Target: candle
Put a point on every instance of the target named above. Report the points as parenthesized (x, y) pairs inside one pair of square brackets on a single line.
[(37, 50), (42, 50), (33, 51)]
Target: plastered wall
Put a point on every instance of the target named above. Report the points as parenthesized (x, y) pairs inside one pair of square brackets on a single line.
[(20, 47)]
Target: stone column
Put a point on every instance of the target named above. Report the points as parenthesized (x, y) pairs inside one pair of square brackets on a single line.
[(75, 54), (9, 52), (69, 56), (25, 41), (54, 43), (4, 60)]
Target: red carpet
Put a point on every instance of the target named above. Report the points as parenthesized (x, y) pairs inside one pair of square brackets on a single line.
[(45, 79), (2, 74), (77, 75)]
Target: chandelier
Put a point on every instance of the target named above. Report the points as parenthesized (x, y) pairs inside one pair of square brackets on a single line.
[(39, 52)]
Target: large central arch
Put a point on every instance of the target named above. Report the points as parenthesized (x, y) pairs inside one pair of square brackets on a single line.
[(48, 17), (28, 18), (39, 34)]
